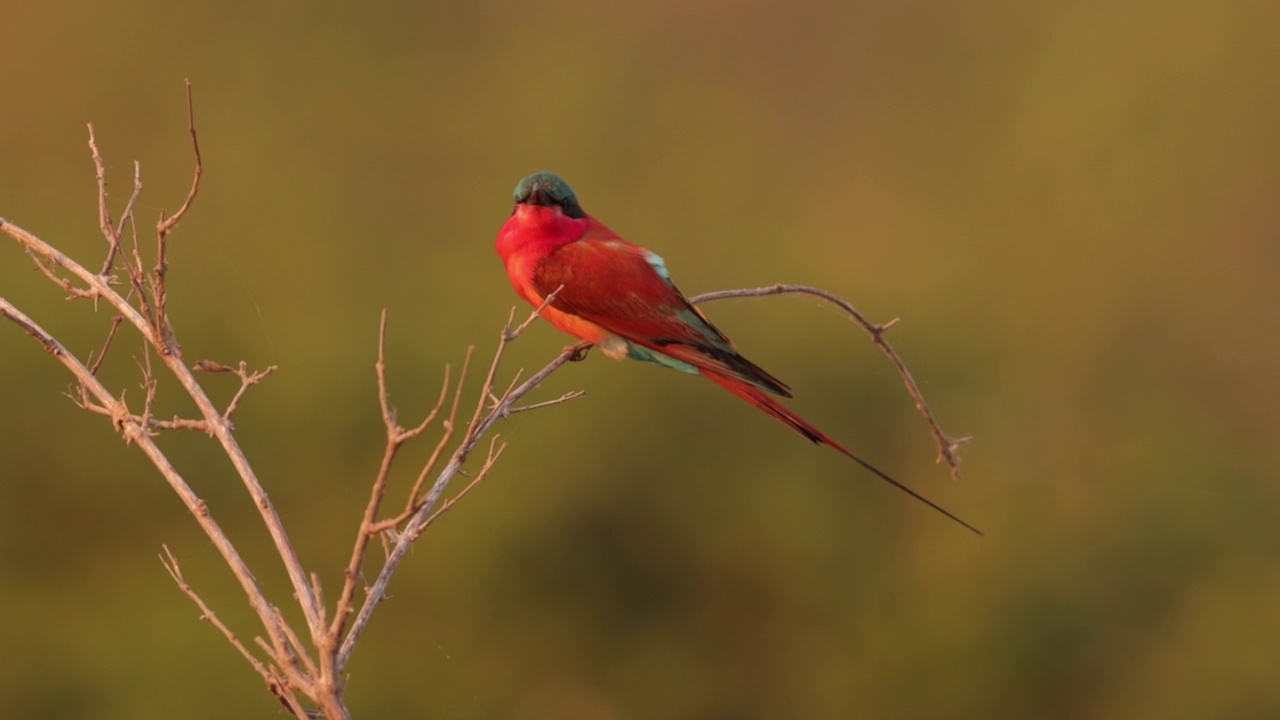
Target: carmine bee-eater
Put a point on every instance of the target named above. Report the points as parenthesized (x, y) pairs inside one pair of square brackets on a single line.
[(620, 298)]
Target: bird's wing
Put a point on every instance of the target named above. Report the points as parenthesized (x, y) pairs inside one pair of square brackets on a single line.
[(626, 290)]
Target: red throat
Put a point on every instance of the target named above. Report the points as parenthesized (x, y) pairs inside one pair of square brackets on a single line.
[(536, 230)]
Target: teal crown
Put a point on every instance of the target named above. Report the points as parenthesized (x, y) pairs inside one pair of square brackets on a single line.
[(548, 189)]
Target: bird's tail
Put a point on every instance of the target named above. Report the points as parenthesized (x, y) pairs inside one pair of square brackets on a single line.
[(760, 399)]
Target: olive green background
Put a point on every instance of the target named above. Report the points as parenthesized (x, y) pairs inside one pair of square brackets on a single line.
[(1072, 206)]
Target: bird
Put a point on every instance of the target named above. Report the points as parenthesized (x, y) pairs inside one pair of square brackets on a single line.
[(589, 282)]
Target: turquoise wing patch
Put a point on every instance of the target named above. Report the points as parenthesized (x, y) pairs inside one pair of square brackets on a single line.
[(639, 352)]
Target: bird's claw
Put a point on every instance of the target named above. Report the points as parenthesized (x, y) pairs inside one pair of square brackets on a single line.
[(579, 352)]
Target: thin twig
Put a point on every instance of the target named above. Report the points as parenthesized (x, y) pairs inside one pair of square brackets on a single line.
[(495, 452), (134, 432), (113, 235), (73, 292), (299, 650), (546, 403), (280, 684), (450, 425), (948, 447), (404, 539), (149, 388), (138, 285), (397, 436), (166, 225), (104, 211), (127, 215), (247, 379), (510, 334), (102, 354), (206, 613)]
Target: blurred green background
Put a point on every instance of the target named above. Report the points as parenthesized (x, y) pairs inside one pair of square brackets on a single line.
[(1072, 206)]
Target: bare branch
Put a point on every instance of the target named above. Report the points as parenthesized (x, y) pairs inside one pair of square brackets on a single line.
[(396, 438), (299, 650), (546, 403), (206, 613), (423, 513), (451, 424), (135, 432), (948, 447), (51, 346), (150, 320), (444, 393), (495, 452), (127, 215), (380, 369), (102, 354), (159, 291), (73, 292), (104, 211), (247, 379), (138, 285), (149, 387), (144, 306), (167, 225), (513, 334)]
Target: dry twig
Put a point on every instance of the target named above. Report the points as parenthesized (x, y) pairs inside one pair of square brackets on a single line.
[(948, 447)]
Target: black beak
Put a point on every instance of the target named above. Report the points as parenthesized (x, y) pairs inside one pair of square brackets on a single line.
[(537, 196)]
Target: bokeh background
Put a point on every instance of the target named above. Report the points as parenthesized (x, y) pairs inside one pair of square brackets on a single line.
[(1072, 206)]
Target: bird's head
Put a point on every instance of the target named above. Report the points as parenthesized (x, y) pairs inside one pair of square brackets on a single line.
[(548, 190), (546, 216)]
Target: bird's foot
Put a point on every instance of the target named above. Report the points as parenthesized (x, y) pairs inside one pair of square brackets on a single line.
[(579, 352)]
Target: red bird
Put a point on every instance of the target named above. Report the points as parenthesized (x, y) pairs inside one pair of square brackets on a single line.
[(619, 297)]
